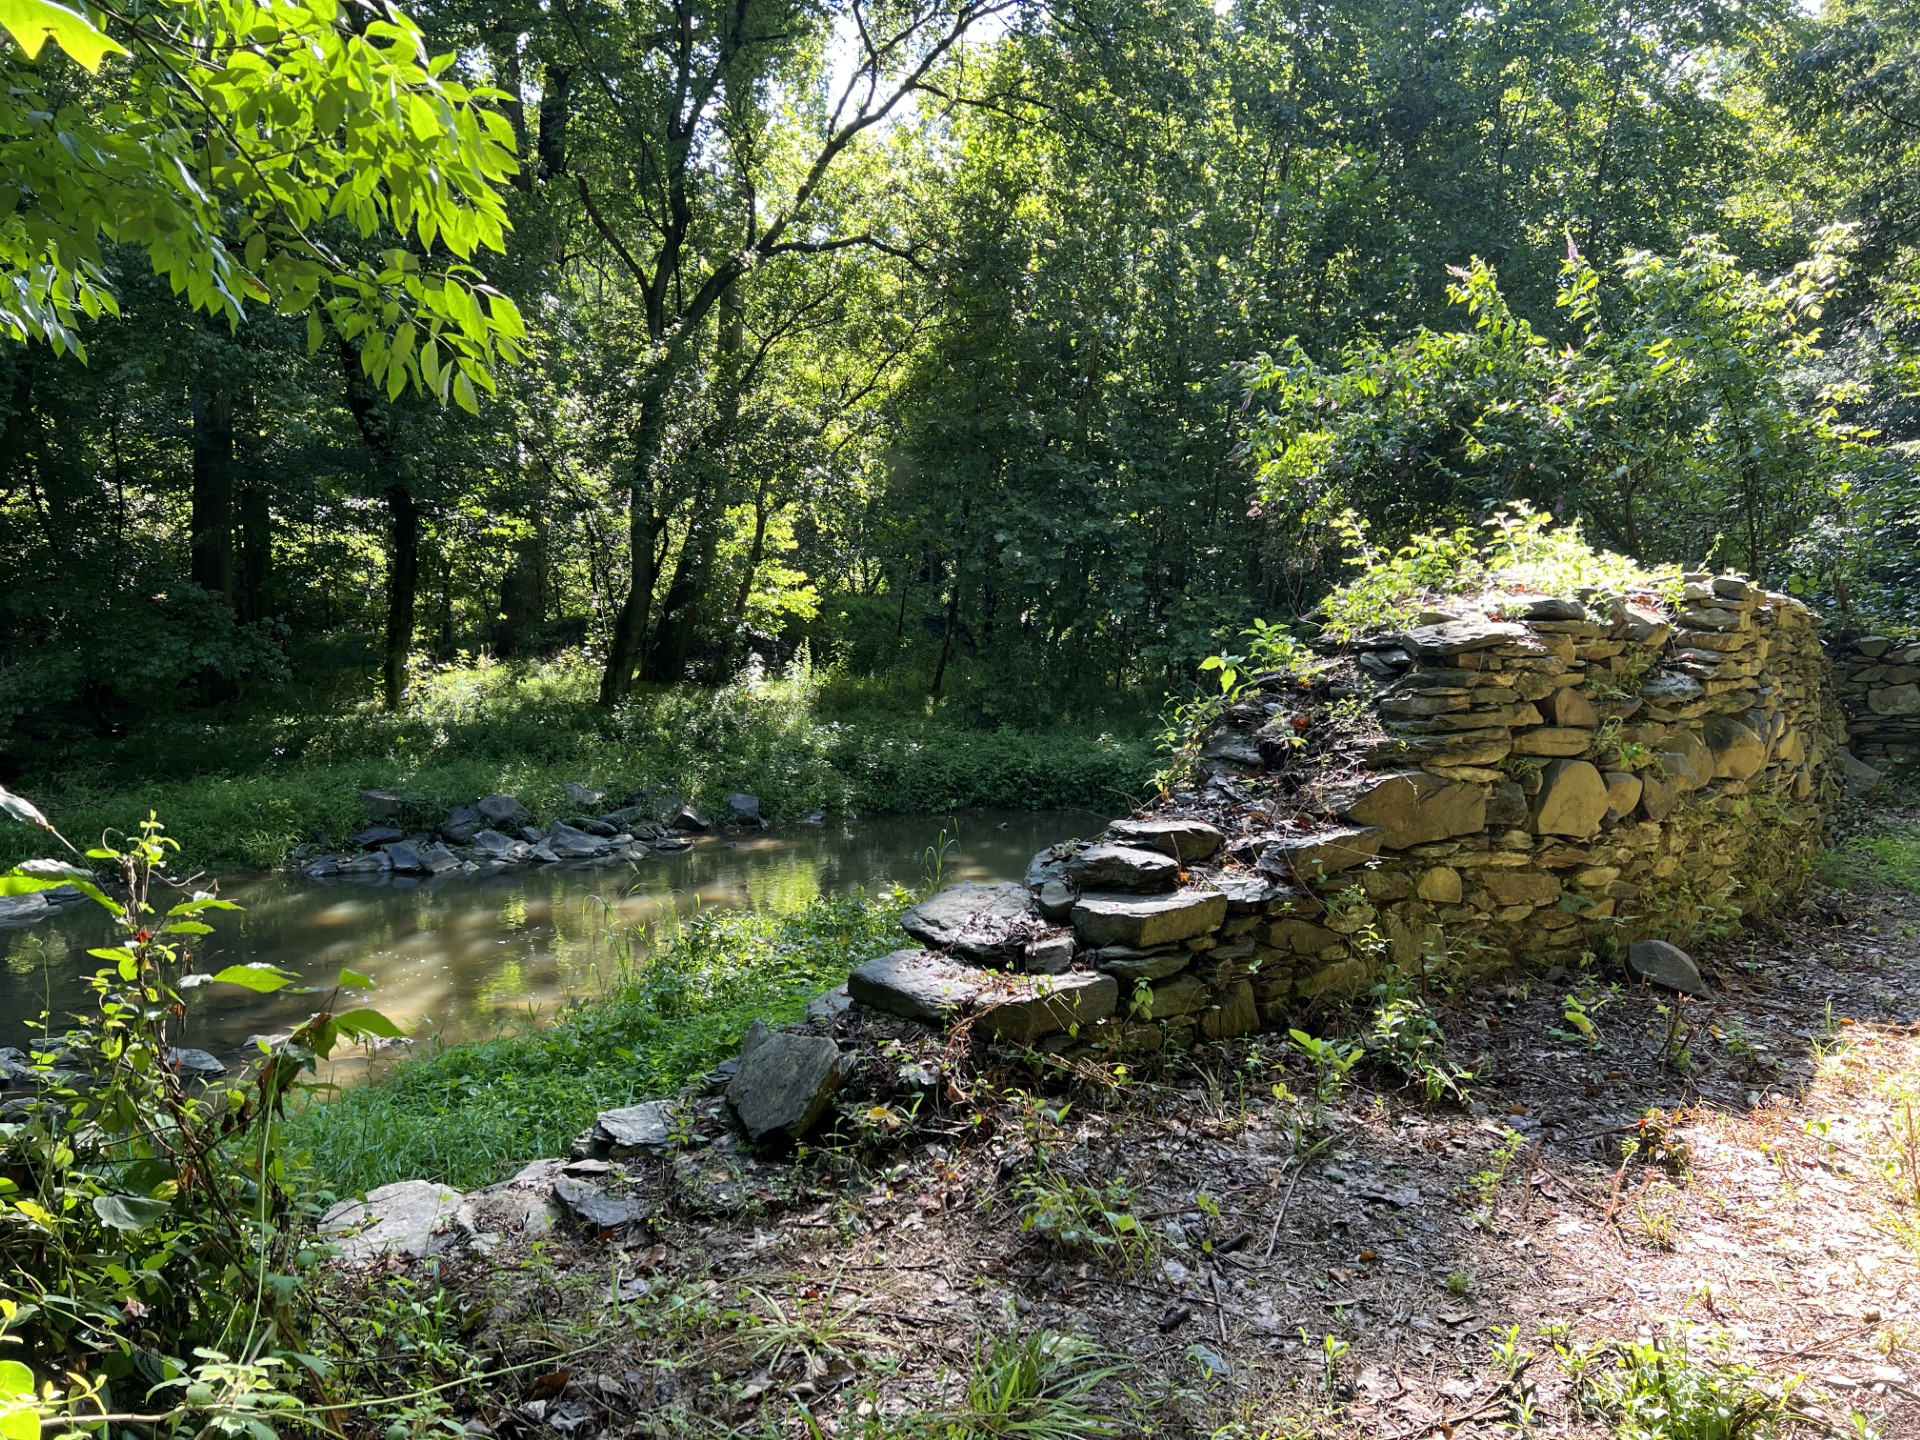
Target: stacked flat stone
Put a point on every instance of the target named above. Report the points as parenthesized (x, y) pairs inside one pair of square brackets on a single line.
[(1879, 683), (1563, 774)]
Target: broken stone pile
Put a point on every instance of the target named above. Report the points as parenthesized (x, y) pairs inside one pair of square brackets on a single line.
[(1879, 684), (1540, 776), (497, 830)]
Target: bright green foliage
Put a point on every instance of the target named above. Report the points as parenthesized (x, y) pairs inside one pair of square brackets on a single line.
[(1519, 550), (259, 155), (797, 743), (1663, 1390), (1675, 422), (464, 1114), (151, 1232), (1891, 859), (1040, 1385)]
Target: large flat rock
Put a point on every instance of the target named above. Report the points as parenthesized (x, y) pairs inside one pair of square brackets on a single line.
[(1144, 921), (1123, 867), (983, 921), (1412, 807), (410, 1217), (1185, 840), (1037, 1005), (917, 984), (935, 988)]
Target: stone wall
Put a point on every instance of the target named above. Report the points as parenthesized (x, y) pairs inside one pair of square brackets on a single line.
[(1525, 778), (1879, 689)]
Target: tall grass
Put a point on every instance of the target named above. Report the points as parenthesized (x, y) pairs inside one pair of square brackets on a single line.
[(1890, 859), (248, 792), (469, 1114)]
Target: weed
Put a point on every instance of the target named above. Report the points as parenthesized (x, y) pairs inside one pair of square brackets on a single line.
[(1405, 1040), (1036, 1386), (1487, 1183), (1077, 1215), (1661, 1390), (1459, 1284)]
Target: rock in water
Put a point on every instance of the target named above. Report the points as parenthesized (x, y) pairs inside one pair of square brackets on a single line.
[(743, 810), (503, 812), (1667, 966), (980, 921), (196, 1064), (410, 1217), (784, 1085)]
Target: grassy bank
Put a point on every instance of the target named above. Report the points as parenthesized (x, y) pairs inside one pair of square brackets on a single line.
[(246, 793), (467, 1114)]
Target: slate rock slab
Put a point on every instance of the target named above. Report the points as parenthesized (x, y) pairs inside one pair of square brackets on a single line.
[(374, 836), (917, 984), (1667, 966), (645, 1128), (1322, 853), (1412, 807), (410, 1217), (1123, 867), (593, 1207), (981, 921), (1182, 839), (1146, 921), (1457, 637), (1034, 1006), (784, 1085)]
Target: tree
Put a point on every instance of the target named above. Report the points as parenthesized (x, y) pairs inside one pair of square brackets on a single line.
[(245, 148), (1680, 420)]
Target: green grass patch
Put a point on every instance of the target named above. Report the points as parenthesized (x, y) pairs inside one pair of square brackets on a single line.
[(244, 794), (468, 1114), (1886, 861)]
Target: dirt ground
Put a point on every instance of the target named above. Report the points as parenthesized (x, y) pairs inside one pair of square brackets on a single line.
[(1734, 1173)]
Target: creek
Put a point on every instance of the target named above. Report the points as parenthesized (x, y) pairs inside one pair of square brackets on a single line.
[(459, 957)]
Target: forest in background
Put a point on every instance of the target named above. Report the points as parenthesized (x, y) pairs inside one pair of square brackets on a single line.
[(1006, 358)]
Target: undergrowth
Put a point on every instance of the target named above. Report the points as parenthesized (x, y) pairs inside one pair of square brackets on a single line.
[(1890, 860), (246, 793), (465, 1114)]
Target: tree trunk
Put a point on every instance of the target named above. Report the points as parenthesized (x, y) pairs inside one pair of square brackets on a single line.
[(403, 584), (256, 555), (210, 526), (644, 523), (523, 593)]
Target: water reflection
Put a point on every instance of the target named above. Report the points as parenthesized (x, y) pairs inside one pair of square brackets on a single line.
[(464, 956)]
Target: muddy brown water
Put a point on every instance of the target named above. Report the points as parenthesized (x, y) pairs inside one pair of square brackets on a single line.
[(461, 957)]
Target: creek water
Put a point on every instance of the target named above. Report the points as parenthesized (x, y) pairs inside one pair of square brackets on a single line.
[(460, 957)]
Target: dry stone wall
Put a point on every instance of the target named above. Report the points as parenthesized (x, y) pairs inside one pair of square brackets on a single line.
[(1524, 779), (1879, 689)]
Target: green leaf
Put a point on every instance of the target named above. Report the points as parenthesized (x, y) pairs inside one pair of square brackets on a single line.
[(16, 1380), (187, 927), (34, 22), (356, 1023), (129, 1212), (354, 980), (260, 978), (15, 806)]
